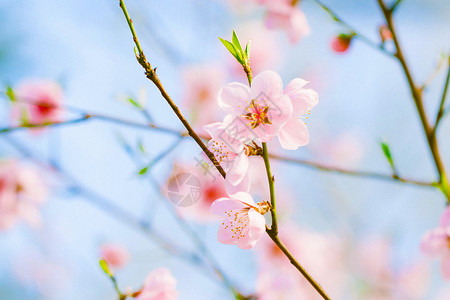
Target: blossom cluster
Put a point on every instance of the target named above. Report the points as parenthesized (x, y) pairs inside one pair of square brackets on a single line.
[(256, 114)]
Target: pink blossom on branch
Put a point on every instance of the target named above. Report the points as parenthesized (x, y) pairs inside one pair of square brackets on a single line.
[(264, 110), (21, 194), (115, 255), (159, 285), (436, 243), (341, 43), (37, 102), (243, 224)]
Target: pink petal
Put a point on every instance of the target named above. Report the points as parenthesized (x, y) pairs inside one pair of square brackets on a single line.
[(267, 84), (445, 266), (232, 97), (303, 100), (238, 169), (298, 26), (225, 235), (221, 205), (244, 198), (255, 230), (445, 218), (243, 186), (434, 242), (214, 129), (293, 134)]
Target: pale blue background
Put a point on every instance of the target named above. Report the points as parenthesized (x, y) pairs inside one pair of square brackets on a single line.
[(86, 46)]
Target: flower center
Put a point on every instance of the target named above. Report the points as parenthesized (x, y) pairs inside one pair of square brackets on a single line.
[(220, 151), (237, 222), (257, 114)]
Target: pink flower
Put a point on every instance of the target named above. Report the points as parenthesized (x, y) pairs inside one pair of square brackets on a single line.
[(294, 133), (341, 43), (436, 242), (283, 15), (229, 152), (21, 194), (37, 102), (243, 223), (201, 85), (159, 285), (255, 113), (116, 256)]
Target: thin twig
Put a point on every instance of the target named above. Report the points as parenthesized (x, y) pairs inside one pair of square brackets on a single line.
[(441, 111), (417, 96), (153, 77), (271, 180), (47, 124), (297, 265), (358, 34), (372, 175), (435, 72)]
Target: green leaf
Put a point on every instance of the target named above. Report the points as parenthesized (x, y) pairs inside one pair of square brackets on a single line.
[(247, 52), (141, 147), (10, 94), (24, 120), (143, 171), (229, 46), (388, 155), (236, 42), (105, 267), (134, 103)]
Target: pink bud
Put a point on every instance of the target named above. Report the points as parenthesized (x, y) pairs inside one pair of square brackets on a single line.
[(341, 43)]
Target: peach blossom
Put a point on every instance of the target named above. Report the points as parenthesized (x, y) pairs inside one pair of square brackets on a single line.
[(21, 194), (37, 102), (159, 285), (341, 43), (243, 223)]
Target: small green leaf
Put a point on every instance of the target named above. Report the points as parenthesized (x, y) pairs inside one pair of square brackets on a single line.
[(10, 94), (134, 103), (143, 171), (247, 52), (105, 267), (229, 46), (236, 42), (388, 155), (141, 147)]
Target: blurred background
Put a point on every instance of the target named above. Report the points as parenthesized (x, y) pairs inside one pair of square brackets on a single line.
[(105, 180)]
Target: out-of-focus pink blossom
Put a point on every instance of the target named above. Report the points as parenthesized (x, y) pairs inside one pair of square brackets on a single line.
[(159, 285), (436, 242), (243, 224), (343, 150), (115, 255), (381, 281), (21, 194), (341, 43), (320, 254), (294, 133), (201, 85), (281, 14), (37, 102)]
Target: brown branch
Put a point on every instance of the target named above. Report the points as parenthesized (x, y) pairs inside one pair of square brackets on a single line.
[(416, 93), (153, 77), (372, 175)]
